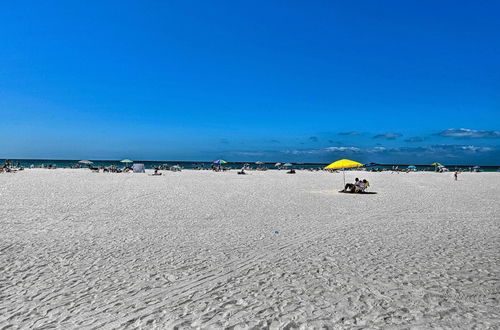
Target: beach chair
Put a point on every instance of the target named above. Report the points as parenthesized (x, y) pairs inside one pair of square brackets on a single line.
[(362, 187)]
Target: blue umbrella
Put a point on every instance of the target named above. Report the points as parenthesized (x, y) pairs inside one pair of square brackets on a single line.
[(412, 166), (370, 164)]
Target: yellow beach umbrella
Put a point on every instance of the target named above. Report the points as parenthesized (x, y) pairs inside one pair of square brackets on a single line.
[(343, 164)]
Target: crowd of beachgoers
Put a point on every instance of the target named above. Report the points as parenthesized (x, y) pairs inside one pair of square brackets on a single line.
[(14, 166), (358, 186)]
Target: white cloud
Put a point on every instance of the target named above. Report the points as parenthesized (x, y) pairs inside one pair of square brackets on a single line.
[(466, 133), (353, 149), (388, 136)]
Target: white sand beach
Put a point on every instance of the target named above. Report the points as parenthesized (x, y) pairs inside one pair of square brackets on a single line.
[(198, 249)]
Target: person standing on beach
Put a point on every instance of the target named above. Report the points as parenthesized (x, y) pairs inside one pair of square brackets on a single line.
[(456, 175)]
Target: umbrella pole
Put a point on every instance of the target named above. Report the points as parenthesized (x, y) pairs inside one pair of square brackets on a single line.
[(343, 171)]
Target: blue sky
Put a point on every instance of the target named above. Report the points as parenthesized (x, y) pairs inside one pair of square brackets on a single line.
[(383, 81)]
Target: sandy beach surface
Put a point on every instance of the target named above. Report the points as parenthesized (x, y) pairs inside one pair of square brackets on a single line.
[(198, 249)]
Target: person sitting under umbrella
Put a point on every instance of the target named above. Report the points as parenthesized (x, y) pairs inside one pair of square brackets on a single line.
[(351, 186), (362, 185), (359, 186)]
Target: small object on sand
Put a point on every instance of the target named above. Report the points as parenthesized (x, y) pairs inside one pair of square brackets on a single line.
[(275, 232)]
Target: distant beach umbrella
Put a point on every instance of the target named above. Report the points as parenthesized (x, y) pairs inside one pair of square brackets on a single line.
[(412, 166), (259, 162), (476, 167), (278, 164), (86, 162), (220, 161), (287, 165), (437, 165), (370, 165), (343, 164), (127, 162)]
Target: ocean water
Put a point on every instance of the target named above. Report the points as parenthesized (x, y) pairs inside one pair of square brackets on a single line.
[(59, 163)]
